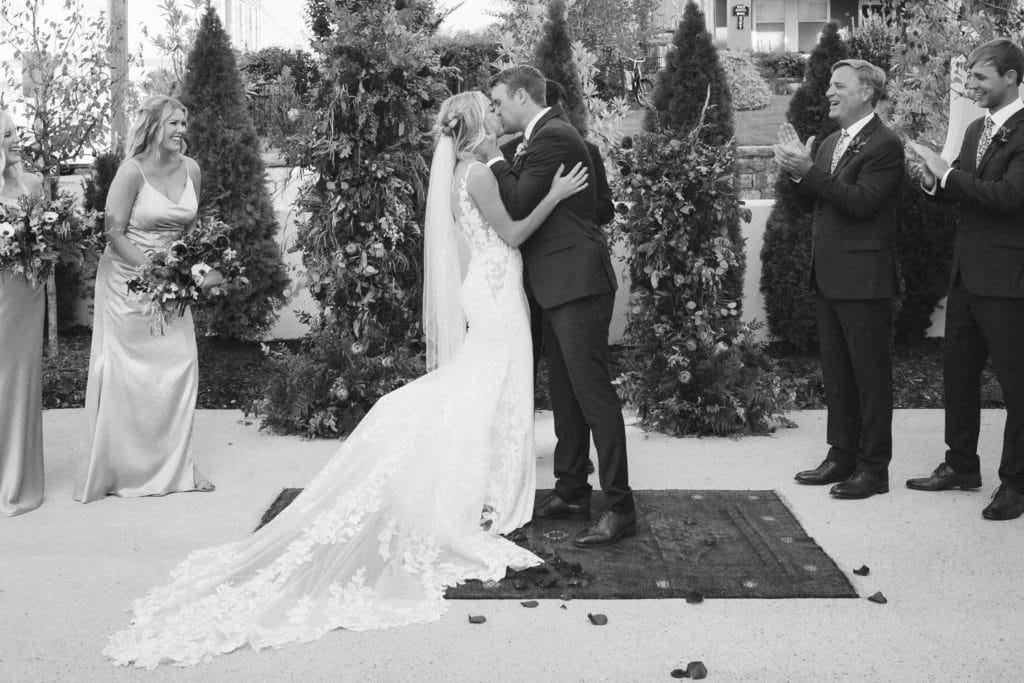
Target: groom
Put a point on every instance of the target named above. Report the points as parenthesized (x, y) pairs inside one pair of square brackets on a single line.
[(569, 274)]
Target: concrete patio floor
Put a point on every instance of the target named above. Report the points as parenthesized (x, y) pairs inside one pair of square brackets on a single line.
[(954, 581)]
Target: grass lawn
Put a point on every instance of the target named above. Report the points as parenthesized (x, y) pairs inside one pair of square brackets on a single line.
[(757, 127), (761, 126)]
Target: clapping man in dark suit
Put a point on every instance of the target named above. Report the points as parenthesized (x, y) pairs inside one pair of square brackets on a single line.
[(854, 182), (985, 307), (568, 272)]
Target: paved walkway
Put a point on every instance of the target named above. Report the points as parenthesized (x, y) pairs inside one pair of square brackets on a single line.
[(954, 581)]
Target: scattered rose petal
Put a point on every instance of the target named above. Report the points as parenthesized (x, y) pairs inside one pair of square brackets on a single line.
[(530, 603), (577, 582), (878, 597), (696, 670), (566, 596), (544, 581), (694, 597), (563, 607), (477, 619), (597, 619), (863, 571), (678, 673)]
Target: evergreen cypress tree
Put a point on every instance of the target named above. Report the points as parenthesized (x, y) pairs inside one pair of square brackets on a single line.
[(692, 69), (553, 57), (786, 254), (224, 143)]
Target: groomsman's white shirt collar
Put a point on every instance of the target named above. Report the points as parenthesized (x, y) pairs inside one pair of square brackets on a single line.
[(998, 119), (858, 126), (526, 133)]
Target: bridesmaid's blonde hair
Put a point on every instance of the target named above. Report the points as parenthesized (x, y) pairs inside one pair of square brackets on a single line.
[(147, 129), (6, 124), (462, 118)]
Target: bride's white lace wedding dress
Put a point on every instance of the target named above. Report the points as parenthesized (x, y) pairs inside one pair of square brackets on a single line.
[(414, 501)]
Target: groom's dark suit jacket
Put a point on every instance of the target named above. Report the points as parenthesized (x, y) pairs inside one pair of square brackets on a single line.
[(854, 270), (568, 272), (567, 258)]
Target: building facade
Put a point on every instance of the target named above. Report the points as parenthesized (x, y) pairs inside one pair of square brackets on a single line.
[(768, 25), (241, 20)]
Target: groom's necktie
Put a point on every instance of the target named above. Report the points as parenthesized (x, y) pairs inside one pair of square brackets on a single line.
[(985, 140), (840, 147)]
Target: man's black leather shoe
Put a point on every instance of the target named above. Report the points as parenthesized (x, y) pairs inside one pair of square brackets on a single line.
[(827, 472), (1006, 504), (611, 527), (861, 485), (944, 478), (554, 507)]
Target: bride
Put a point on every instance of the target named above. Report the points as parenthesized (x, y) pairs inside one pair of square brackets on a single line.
[(417, 497)]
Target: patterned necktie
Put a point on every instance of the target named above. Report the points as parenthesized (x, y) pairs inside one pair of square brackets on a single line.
[(985, 140), (837, 153)]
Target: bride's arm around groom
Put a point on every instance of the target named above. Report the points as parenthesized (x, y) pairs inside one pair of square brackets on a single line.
[(568, 272)]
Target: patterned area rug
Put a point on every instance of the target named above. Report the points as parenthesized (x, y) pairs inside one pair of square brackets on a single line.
[(689, 544)]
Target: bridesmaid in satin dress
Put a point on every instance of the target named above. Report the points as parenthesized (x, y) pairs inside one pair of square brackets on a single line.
[(21, 354), (142, 387)]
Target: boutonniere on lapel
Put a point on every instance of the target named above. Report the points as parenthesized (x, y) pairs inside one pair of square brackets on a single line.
[(1001, 135), (856, 145), (517, 158)]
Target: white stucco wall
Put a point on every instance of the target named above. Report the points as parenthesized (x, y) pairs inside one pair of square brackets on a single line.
[(283, 184)]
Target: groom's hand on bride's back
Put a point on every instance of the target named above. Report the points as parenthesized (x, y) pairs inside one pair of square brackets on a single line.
[(487, 149)]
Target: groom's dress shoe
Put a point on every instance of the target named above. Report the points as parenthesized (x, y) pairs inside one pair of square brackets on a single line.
[(611, 527), (944, 478), (1006, 504), (553, 506), (827, 472), (861, 485)]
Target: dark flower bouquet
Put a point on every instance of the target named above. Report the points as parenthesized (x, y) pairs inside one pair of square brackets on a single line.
[(194, 270), (37, 234)]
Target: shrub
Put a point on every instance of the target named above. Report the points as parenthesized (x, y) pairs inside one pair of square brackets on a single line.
[(692, 93), (75, 282), (786, 254), (692, 74), (693, 368), (774, 65), (553, 56), (362, 210), (469, 58), (267, 65), (925, 248), (224, 143), (749, 90)]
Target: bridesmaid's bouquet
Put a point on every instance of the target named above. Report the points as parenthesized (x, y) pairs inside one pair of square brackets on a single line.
[(36, 234), (192, 271)]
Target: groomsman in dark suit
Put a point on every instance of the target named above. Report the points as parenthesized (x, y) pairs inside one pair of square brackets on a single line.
[(568, 271), (985, 307), (854, 182)]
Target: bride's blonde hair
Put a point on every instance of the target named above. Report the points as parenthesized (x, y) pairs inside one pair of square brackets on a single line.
[(462, 118)]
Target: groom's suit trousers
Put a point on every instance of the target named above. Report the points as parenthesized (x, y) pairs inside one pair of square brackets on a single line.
[(584, 402)]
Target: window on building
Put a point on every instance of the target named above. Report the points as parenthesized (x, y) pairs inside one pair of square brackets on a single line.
[(812, 15), (769, 25)]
